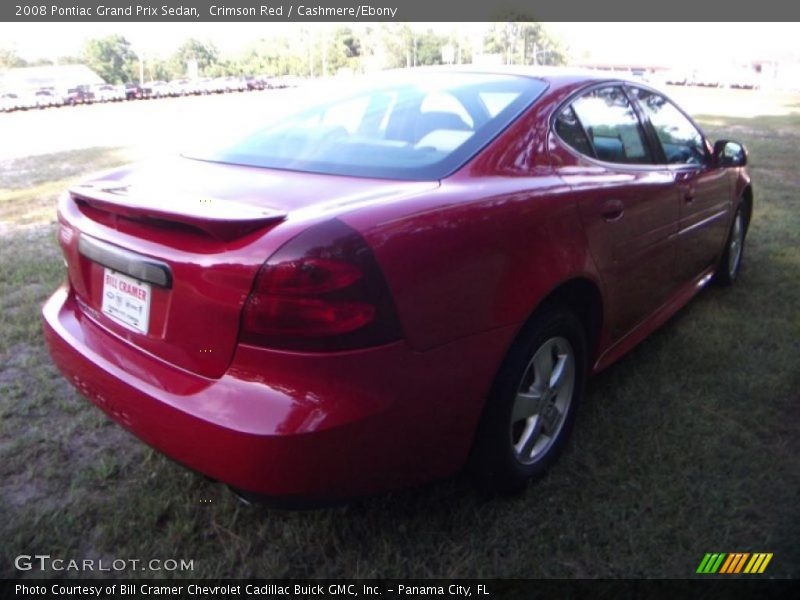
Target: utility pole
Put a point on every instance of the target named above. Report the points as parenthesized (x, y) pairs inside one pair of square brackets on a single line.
[(310, 54), (324, 54)]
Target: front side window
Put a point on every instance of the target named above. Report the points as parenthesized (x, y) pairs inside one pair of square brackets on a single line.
[(682, 143), (610, 126)]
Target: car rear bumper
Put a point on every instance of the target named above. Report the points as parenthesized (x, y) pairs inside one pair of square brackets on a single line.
[(286, 424)]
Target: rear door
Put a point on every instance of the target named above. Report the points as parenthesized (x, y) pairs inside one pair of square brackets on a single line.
[(626, 199), (703, 191)]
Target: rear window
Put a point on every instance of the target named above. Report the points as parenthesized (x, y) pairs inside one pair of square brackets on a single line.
[(421, 127)]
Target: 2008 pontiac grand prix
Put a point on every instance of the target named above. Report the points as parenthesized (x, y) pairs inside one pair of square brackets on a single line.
[(416, 276)]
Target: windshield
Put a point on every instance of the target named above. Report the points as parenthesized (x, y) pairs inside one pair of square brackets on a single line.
[(423, 127)]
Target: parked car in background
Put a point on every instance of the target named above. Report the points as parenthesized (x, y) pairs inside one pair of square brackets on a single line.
[(412, 277), (154, 89), (706, 78), (180, 87), (287, 81), (201, 86), (219, 85), (27, 100), (109, 93), (675, 77), (233, 84), (46, 98), (256, 83), (745, 81), (132, 91), (80, 94), (9, 101)]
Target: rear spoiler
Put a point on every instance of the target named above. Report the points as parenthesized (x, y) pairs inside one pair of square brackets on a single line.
[(222, 219)]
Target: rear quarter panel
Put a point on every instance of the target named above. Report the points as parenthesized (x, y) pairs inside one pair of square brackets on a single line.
[(487, 246)]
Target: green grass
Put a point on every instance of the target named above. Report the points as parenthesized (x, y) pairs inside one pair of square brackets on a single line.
[(688, 445), (29, 186)]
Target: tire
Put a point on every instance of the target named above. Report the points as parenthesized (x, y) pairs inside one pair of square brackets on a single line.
[(731, 261), (520, 436)]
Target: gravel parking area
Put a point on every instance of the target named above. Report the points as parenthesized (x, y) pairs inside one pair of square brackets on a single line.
[(147, 127)]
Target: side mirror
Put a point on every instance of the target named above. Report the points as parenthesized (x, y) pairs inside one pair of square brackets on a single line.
[(729, 154)]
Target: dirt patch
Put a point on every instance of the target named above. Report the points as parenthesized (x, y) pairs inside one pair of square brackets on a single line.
[(58, 435), (21, 173)]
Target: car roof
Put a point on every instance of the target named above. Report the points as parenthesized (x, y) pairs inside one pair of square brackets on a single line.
[(555, 76)]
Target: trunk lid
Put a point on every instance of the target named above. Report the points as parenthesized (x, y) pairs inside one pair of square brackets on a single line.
[(181, 242)]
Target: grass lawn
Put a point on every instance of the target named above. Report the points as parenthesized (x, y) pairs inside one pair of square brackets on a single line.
[(688, 445)]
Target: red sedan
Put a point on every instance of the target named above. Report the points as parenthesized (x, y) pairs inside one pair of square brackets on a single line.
[(393, 284)]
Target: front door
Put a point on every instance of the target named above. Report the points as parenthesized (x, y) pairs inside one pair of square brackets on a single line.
[(703, 191)]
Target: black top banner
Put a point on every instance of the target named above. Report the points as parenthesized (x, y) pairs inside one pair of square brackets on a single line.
[(394, 10)]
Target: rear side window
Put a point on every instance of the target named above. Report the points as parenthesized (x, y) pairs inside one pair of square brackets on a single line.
[(610, 126), (680, 139), (571, 131)]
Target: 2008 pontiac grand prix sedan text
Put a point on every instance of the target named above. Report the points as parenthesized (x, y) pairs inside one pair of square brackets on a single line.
[(379, 290)]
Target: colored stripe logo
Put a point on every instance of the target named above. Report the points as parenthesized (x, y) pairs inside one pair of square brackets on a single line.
[(734, 563)]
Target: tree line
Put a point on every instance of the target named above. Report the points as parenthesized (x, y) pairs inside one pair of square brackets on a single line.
[(317, 52)]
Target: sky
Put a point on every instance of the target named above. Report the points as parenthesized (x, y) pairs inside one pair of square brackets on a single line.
[(679, 44), (661, 44)]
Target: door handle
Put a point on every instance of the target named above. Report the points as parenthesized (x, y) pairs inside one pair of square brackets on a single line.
[(612, 210), (688, 195)]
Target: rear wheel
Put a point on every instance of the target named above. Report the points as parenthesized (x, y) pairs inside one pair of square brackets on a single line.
[(531, 408), (731, 261)]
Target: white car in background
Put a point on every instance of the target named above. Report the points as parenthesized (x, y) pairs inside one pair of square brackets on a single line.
[(9, 101), (156, 89), (201, 86), (235, 84), (46, 97), (27, 100), (180, 87), (108, 93)]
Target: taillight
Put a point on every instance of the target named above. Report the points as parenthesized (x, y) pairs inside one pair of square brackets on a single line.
[(321, 291)]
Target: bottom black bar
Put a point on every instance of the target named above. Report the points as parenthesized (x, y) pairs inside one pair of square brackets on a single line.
[(391, 589)]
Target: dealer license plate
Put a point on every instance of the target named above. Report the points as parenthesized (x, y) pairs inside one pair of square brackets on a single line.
[(126, 300)]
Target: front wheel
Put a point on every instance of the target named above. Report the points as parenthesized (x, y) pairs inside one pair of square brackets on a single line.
[(531, 408), (731, 261)]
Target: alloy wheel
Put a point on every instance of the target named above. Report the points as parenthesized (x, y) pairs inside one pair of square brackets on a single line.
[(543, 400)]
